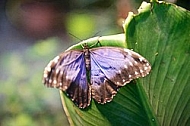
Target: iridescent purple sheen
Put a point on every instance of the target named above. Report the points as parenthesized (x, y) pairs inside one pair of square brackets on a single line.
[(109, 68)]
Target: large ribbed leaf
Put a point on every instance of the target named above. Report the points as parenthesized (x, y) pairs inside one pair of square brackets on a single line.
[(161, 33)]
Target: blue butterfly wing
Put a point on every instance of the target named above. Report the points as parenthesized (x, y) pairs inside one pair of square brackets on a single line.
[(68, 73), (113, 67)]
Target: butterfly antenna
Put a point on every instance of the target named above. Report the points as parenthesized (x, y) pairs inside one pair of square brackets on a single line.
[(97, 33), (75, 37)]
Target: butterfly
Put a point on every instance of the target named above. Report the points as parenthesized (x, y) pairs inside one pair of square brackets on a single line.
[(95, 73)]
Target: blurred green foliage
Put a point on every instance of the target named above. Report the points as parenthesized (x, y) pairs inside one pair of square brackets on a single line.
[(24, 100), (80, 24)]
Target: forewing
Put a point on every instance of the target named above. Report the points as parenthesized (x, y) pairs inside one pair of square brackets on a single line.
[(112, 67), (68, 73)]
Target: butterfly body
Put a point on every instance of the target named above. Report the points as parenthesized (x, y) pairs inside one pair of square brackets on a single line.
[(109, 68), (87, 56)]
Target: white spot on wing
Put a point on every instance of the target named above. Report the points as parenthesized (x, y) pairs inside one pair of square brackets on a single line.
[(48, 68), (130, 64), (54, 82), (61, 73), (56, 59), (126, 50), (141, 59), (130, 76), (136, 62), (145, 68), (136, 73), (125, 66), (105, 80), (119, 71), (57, 71), (64, 87), (147, 64), (50, 80), (45, 75), (141, 71)]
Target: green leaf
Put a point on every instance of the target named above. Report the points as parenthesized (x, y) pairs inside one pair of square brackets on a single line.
[(160, 32), (162, 35)]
